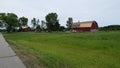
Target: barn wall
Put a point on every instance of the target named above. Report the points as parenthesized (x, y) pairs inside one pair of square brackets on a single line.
[(94, 25), (93, 28), (81, 29)]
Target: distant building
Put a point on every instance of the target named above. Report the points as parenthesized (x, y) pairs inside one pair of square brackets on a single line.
[(88, 26), (25, 28)]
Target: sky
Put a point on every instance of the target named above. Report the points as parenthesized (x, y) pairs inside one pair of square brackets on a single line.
[(105, 12)]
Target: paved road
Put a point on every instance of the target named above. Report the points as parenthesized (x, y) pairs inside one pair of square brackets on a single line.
[(8, 58)]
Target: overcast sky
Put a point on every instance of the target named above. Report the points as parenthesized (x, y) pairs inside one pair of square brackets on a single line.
[(105, 12)]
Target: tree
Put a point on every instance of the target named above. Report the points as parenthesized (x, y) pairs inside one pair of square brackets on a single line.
[(2, 14), (2, 23), (110, 28), (62, 28), (69, 23), (43, 25), (23, 21), (11, 20), (1, 19), (34, 22), (57, 26), (52, 21), (37, 23), (38, 28)]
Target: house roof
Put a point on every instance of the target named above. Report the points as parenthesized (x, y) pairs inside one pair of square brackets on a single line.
[(82, 24), (24, 27)]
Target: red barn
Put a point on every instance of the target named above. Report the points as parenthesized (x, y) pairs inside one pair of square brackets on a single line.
[(88, 26)]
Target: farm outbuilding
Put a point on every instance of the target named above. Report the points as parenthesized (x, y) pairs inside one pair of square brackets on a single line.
[(88, 26), (25, 28)]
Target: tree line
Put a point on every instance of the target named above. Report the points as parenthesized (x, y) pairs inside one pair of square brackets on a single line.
[(51, 23), (110, 28)]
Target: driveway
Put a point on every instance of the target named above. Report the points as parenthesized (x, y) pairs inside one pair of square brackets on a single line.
[(8, 58)]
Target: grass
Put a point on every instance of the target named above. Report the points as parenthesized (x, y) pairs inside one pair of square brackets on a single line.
[(67, 50)]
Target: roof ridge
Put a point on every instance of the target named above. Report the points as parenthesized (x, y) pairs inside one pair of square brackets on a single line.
[(84, 21), (87, 21)]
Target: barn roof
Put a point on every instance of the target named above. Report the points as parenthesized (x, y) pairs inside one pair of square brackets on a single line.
[(82, 24), (86, 24)]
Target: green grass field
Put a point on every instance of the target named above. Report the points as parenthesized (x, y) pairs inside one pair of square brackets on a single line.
[(67, 50)]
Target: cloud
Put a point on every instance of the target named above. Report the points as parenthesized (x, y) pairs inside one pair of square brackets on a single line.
[(105, 12)]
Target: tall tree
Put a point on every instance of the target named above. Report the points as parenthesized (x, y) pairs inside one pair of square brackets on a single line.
[(2, 15), (34, 22), (57, 26), (43, 25), (69, 23), (23, 21), (62, 28), (51, 21), (37, 22), (38, 28), (2, 24), (11, 19)]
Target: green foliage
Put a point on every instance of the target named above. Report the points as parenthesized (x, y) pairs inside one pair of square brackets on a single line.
[(69, 23), (110, 28), (38, 28), (56, 26), (23, 21), (35, 22), (2, 14), (68, 50), (43, 25), (52, 22), (62, 28), (1, 24), (10, 19)]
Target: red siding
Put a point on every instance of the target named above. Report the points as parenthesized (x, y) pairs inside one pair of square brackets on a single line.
[(87, 29), (94, 25)]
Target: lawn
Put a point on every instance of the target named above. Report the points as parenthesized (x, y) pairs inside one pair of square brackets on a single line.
[(67, 50)]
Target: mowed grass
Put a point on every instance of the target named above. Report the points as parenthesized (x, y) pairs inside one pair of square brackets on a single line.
[(67, 50)]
